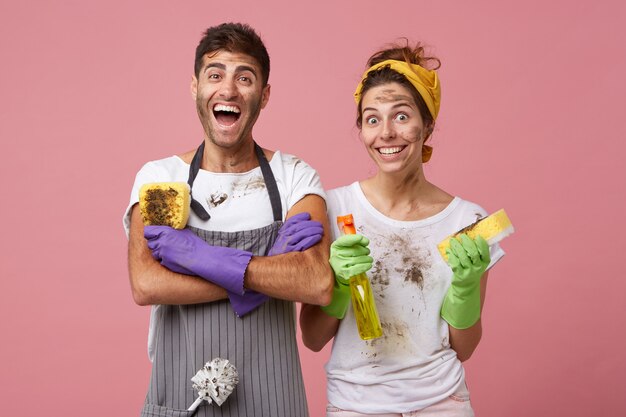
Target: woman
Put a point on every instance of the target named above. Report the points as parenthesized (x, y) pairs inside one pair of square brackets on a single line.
[(429, 309)]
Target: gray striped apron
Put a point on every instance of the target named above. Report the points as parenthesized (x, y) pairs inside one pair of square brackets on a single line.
[(261, 345)]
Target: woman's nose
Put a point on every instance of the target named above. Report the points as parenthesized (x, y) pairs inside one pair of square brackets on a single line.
[(388, 131)]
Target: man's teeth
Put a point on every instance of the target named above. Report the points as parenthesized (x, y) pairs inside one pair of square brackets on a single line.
[(222, 107), (389, 151)]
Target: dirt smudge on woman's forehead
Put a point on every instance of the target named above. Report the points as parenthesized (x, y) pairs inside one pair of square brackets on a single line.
[(391, 95)]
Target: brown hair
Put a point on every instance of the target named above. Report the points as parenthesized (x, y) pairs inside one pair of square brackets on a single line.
[(385, 75), (233, 37)]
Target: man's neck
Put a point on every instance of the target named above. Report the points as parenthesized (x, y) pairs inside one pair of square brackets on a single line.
[(239, 158)]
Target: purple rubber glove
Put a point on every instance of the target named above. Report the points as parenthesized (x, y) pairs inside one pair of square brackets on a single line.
[(183, 252), (297, 234)]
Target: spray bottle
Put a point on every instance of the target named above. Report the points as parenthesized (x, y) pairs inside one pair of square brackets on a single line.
[(363, 304)]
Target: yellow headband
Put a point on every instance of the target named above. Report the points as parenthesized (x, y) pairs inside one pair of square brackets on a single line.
[(425, 82)]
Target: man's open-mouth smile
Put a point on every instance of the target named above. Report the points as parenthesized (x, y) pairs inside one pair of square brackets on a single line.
[(226, 115)]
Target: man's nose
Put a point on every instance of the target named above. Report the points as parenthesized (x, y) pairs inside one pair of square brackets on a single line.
[(228, 89)]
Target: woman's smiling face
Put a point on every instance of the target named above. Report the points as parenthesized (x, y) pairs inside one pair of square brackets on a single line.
[(392, 129)]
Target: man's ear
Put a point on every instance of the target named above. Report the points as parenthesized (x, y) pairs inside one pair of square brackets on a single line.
[(265, 96), (194, 87)]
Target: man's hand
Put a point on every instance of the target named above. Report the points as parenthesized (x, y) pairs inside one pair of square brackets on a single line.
[(297, 234), (184, 252)]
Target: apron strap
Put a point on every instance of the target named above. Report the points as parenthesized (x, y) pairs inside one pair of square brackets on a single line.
[(270, 184), (194, 167), (268, 177)]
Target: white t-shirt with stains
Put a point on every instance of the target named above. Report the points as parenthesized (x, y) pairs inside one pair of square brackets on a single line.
[(412, 365), (235, 201)]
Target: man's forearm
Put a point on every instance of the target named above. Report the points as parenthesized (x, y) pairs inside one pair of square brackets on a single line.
[(298, 276), (151, 283), (158, 285)]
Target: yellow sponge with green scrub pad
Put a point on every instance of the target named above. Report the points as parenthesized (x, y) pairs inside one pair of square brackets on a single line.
[(492, 228), (165, 204)]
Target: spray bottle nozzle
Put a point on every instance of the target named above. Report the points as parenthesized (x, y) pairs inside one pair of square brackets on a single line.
[(346, 224)]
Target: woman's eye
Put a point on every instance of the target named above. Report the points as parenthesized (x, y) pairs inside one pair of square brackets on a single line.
[(371, 120), (402, 117)]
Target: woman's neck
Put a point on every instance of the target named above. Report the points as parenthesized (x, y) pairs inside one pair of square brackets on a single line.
[(405, 196)]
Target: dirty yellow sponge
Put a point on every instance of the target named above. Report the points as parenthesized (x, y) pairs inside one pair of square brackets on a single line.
[(165, 204), (492, 228)]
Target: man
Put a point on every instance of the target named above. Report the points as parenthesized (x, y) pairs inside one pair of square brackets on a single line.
[(209, 284)]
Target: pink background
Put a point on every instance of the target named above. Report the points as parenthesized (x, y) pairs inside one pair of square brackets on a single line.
[(532, 120)]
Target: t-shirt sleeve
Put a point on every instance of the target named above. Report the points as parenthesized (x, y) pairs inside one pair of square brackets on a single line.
[(148, 173), (303, 180)]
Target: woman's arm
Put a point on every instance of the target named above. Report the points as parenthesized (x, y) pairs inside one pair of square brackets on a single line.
[(465, 341), (349, 256), (317, 327)]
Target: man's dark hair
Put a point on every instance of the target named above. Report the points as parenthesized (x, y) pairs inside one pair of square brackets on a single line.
[(233, 37)]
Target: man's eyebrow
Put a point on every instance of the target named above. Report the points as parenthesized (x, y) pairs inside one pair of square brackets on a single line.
[(242, 68), (215, 65), (239, 68)]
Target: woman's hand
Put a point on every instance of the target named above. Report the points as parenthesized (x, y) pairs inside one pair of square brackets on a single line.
[(469, 260), (349, 256)]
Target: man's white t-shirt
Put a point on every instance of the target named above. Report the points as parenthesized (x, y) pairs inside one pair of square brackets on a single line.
[(412, 365), (235, 201)]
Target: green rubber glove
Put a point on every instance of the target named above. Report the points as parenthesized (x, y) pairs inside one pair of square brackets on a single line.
[(349, 256), (340, 301), (469, 260)]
